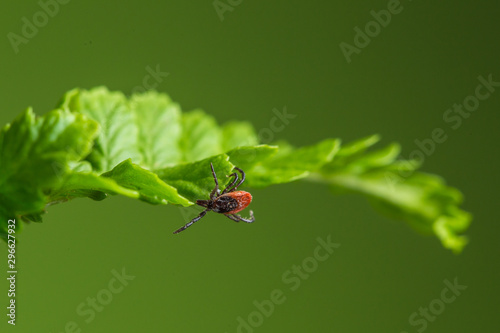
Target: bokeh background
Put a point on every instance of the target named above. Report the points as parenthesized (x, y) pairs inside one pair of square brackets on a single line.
[(265, 55)]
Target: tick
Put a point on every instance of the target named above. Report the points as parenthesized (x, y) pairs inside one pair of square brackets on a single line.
[(229, 202)]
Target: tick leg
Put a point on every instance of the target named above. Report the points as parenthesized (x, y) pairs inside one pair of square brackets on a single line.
[(190, 223), (215, 192), (247, 220), (238, 218), (241, 181), (233, 217), (228, 188)]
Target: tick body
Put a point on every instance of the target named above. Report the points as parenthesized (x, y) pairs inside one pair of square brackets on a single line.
[(229, 202)]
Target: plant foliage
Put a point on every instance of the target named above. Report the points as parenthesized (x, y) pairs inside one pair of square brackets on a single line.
[(98, 143)]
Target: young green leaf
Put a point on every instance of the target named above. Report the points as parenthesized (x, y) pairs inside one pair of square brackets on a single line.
[(423, 200), (149, 186), (238, 134), (246, 157), (145, 148), (89, 184), (201, 137), (293, 164), (159, 122), (118, 135), (35, 155), (194, 180)]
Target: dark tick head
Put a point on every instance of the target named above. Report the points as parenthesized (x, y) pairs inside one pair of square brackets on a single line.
[(224, 204), (205, 203)]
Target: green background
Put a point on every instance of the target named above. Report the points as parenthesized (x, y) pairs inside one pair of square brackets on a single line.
[(265, 55)]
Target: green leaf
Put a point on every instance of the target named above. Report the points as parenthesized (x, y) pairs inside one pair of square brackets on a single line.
[(293, 164), (159, 123), (395, 188), (238, 134), (201, 137), (246, 157), (35, 155), (358, 146), (89, 184), (149, 186), (100, 143), (118, 134), (194, 180)]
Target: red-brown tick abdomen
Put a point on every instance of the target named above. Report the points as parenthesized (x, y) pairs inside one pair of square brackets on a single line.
[(243, 198)]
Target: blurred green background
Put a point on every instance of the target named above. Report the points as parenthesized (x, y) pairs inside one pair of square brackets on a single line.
[(261, 56)]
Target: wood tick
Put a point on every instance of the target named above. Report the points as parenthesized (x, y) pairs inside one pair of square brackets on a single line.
[(229, 202)]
